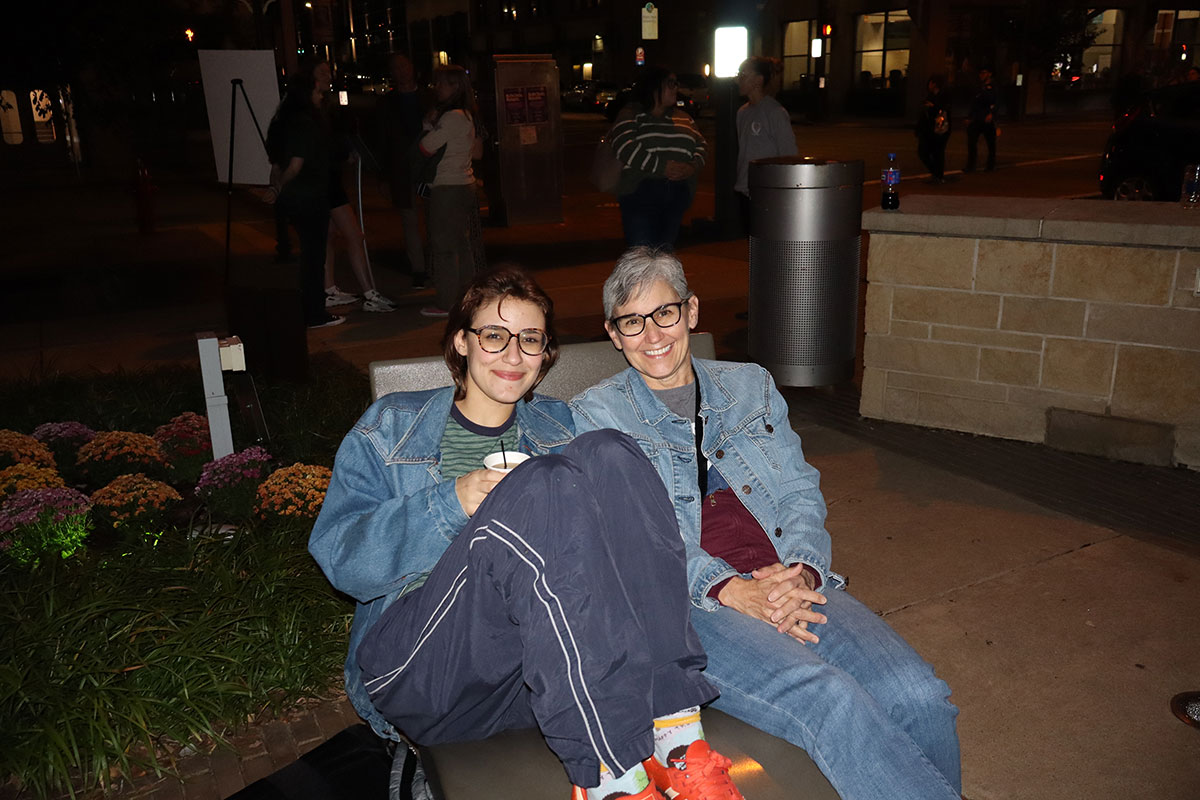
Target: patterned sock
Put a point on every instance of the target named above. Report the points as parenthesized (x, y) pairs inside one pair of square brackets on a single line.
[(675, 732), (612, 786)]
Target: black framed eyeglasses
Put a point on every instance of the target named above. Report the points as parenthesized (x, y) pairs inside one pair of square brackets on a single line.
[(664, 316), (495, 338)]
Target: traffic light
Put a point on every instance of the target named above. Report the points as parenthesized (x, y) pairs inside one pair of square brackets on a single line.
[(827, 30)]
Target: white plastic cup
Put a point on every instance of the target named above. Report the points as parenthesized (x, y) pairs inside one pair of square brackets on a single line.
[(496, 461)]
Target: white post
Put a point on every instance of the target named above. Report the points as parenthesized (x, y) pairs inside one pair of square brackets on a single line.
[(214, 394)]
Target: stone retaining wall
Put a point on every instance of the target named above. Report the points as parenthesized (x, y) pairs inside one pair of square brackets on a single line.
[(1074, 323)]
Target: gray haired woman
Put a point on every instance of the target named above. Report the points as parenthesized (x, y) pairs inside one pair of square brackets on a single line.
[(792, 652)]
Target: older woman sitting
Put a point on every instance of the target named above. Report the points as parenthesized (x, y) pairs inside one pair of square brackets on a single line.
[(837, 681)]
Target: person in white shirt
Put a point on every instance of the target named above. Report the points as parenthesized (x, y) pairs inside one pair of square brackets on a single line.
[(453, 125), (763, 125)]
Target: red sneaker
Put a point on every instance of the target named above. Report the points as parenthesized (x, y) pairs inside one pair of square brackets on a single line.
[(701, 773), (649, 793)]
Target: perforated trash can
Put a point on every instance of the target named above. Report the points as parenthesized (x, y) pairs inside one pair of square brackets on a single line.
[(805, 234)]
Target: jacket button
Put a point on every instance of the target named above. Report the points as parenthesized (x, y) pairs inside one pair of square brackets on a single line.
[(770, 428), (778, 532), (746, 489), (720, 454)]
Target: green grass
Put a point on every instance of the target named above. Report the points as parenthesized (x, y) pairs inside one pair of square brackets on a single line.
[(109, 660)]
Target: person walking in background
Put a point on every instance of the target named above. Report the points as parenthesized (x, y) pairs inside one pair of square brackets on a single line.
[(981, 120), (764, 127), (400, 117), (661, 151), (453, 125), (298, 139), (933, 130), (341, 214)]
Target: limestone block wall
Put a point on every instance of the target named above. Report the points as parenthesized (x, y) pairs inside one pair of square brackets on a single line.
[(1038, 320)]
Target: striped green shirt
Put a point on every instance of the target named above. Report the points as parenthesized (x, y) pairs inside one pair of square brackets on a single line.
[(464, 444), (645, 143)]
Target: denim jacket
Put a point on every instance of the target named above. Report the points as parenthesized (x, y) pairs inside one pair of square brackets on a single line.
[(388, 516), (747, 438)]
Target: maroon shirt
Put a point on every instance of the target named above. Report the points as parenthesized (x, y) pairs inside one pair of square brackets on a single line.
[(729, 532)]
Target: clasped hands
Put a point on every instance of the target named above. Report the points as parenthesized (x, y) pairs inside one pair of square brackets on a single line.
[(778, 595)]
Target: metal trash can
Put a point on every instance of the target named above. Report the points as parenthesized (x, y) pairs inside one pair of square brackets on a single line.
[(805, 234)]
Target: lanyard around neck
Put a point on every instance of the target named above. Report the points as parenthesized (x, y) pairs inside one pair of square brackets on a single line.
[(701, 461)]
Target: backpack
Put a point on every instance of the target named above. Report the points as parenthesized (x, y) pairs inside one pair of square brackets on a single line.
[(941, 122), (274, 142)]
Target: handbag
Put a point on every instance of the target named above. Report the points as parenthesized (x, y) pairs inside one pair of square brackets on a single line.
[(424, 168), (606, 167)]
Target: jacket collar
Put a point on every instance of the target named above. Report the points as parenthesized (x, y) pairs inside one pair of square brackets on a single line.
[(651, 411), (423, 438)]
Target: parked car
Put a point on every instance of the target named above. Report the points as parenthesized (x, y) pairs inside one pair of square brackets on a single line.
[(693, 89), (1151, 143), (682, 102), (589, 96)]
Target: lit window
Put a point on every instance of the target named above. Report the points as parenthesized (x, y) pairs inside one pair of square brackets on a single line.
[(10, 119), (43, 116), (881, 48)]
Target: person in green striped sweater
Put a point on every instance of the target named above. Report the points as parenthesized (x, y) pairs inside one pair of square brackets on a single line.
[(662, 152)]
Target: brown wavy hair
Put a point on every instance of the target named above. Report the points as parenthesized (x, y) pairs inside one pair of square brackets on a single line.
[(500, 283)]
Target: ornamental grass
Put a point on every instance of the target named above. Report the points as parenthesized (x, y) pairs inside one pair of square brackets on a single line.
[(111, 663)]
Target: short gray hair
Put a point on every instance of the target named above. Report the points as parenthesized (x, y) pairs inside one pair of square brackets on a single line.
[(638, 268)]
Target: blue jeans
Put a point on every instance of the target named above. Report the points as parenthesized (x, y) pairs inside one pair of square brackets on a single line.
[(861, 702), (651, 213)]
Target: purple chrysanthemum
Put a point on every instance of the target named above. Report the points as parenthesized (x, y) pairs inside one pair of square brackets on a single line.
[(52, 432), (31, 506)]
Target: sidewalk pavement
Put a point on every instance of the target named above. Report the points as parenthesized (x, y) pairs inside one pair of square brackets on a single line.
[(1062, 639)]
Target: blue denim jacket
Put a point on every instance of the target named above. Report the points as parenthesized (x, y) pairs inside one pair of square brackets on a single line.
[(747, 438), (388, 515)]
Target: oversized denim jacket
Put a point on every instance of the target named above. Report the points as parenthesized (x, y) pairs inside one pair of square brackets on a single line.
[(388, 516), (749, 440)]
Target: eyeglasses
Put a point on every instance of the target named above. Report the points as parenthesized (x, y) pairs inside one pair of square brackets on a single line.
[(664, 316), (495, 338), (671, 83)]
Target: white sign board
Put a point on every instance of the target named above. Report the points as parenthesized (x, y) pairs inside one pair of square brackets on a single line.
[(649, 21), (256, 69)]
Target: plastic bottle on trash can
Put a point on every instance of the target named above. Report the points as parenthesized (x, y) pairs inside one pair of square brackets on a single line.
[(889, 181)]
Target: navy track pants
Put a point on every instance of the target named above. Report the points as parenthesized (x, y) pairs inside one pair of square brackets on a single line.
[(562, 604)]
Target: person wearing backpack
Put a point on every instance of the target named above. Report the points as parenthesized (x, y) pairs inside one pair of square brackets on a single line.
[(933, 130), (298, 145)]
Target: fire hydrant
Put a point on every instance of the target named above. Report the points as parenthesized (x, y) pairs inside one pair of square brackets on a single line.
[(143, 192)]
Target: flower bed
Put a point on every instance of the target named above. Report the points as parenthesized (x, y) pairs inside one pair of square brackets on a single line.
[(134, 622)]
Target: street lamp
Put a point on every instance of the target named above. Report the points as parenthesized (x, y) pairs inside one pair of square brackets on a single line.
[(730, 48)]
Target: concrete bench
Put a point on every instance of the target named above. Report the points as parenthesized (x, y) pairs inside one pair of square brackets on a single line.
[(518, 764)]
